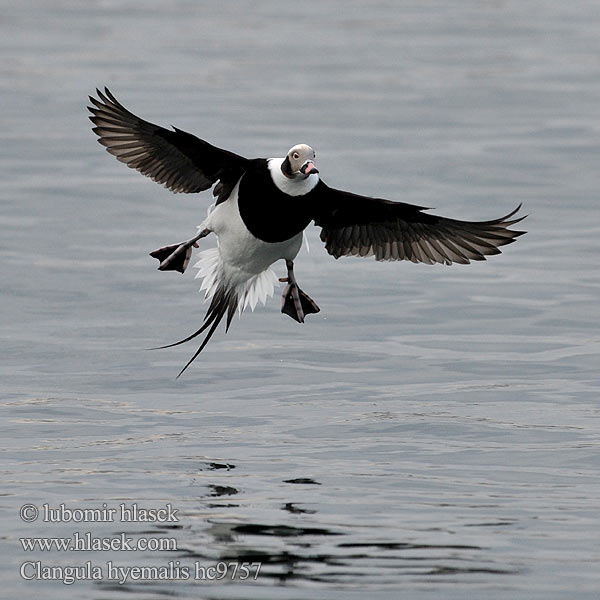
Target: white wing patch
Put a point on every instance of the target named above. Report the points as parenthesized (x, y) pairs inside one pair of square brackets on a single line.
[(258, 288)]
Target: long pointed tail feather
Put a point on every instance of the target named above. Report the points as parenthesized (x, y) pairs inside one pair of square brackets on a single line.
[(224, 301), (221, 302), (205, 325), (203, 345), (226, 296)]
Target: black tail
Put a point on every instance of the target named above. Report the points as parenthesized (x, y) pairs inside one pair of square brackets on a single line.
[(224, 301)]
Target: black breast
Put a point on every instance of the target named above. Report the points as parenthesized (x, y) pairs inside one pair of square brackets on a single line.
[(268, 213)]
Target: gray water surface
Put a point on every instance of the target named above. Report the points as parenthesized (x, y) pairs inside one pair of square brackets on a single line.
[(433, 431)]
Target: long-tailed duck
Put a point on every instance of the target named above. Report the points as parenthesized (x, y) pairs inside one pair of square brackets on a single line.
[(263, 206)]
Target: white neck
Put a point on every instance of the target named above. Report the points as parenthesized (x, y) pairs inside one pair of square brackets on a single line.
[(292, 187)]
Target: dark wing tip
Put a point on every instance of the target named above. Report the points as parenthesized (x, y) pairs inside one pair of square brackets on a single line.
[(421, 238), (506, 223), (178, 160)]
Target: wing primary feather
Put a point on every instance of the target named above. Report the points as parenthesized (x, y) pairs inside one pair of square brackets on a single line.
[(178, 160), (359, 225)]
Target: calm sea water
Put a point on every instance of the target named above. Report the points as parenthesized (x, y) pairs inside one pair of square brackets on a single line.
[(433, 432)]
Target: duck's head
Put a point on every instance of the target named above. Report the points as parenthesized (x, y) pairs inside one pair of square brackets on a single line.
[(299, 162)]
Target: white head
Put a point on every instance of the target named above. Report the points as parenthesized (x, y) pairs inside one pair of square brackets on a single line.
[(299, 162)]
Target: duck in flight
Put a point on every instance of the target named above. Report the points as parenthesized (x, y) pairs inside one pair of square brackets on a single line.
[(262, 208)]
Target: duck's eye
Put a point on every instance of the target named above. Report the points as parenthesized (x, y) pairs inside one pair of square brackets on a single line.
[(295, 156)]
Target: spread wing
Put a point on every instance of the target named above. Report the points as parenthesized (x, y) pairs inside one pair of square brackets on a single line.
[(179, 160), (362, 226)]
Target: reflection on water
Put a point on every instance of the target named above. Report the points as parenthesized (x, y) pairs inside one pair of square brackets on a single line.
[(295, 509), (301, 552), (302, 480)]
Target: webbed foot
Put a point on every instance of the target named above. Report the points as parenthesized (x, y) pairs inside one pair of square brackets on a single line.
[(297, 304), (177, 256), (294, 302)]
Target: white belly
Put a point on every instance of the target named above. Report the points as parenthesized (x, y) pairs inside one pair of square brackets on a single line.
[(244, 255), (241, 262)]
